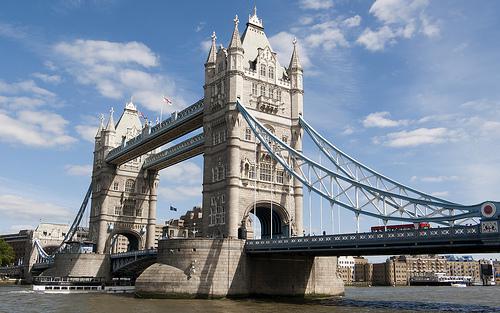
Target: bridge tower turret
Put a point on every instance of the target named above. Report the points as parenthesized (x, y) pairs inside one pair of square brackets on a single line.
[(123, 197), (241, 181)]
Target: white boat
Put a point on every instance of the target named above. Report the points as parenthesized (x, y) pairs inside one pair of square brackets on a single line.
[(67, 285), (458, 285)]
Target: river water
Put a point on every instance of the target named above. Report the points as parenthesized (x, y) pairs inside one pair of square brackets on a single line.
[(373, 300)]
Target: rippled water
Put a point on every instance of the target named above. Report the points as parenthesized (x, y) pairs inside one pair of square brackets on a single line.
[(374, 300)]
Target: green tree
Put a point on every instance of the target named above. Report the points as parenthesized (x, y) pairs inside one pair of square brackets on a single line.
[(6, 253)]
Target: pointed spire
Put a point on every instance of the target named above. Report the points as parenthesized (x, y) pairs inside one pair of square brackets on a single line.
[(235, 38), (101, 126), (294, 62), (111, 122), (254, 19), (213, 50)]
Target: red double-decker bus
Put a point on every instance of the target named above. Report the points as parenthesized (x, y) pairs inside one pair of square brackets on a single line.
[(421, 225)]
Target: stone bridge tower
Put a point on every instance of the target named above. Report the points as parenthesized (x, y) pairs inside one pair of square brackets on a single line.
[(123, 196), (241, 182)]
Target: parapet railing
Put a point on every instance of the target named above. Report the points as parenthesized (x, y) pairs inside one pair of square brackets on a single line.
[(166, 125), (134, 253), (472, 232)]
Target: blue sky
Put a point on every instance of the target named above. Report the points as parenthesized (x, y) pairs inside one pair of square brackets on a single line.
[(410, 88)]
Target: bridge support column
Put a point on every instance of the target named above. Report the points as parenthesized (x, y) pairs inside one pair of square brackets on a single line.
[(102, 236), (151, 227)]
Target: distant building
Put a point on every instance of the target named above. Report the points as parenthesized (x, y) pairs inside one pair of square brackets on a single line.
[(362, 271), (187, 226), (464, 266), (21, 244)]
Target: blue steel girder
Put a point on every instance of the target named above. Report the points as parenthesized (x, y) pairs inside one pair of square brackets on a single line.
[(355, 195), (180, 152), (185, 121)]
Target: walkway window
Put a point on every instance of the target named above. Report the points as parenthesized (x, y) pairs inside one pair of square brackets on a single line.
[(271, 72), (262, 70), (130, 185)]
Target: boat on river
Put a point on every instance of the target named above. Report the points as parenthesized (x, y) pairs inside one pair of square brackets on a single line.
[(67, 285)]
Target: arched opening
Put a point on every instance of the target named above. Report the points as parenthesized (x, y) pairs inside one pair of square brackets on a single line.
[(262, 222), (124, 242)]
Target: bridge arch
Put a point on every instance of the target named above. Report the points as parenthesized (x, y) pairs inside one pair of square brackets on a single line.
[(135, 240), (277, 222)]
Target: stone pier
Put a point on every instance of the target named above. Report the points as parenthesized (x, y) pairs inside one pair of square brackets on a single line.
[(213, 268), (80, 264)]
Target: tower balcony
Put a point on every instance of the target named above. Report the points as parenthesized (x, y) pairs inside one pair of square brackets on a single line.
[(268, 105)]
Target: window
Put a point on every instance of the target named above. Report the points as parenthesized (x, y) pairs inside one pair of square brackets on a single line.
[(278, 95), (218, 173), (130, 185), (271, 93), (254, 89), (118, 210), (248, 134), (129, 207), (138, 212), (279, 177), (143, 188), (220, 67), (263, 90), (217, 210), (263, 70), (266, 169), (271, 72), (116, 186), (284, 138), (251, 172)]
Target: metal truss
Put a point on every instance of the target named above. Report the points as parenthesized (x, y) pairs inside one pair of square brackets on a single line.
[(355, 187)]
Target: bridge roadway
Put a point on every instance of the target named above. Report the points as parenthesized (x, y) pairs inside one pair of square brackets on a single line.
[(184, 122), (182, 151), (458, 239)]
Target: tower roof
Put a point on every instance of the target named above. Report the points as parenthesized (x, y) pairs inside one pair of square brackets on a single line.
[(213, 50), (294, 61), (111, 123), (235, 38), (101, 126), (254, 19)]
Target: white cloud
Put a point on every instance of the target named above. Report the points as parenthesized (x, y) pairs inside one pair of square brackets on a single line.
[(34, 128), (87, 132), (376, 40), (26, 86), (52, 79), (382, 119), (119, 70), (24, 208), (352, 21), (435, 179), (417, 137), (282, 45), (78, 170), (400, 19), (316, 4), (180, 193), (440, 194), (348, 131), (185, 172), (328, 38), (199, 27)]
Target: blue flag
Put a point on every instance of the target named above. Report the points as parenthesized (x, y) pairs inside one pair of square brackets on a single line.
[(173, 208)]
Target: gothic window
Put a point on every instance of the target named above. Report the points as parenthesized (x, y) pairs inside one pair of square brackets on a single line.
[(130, 185), (118, 210), (279, 177), (219, 88), (284, 138), (116, 186), (278, 95), (263, 70), (138, 212), (98, 187), (248, 134), (143, 188), (251, 172), (247, 169), (221, 67), (271, 72), (129, 207), (263, 90), (271, 93), (266, 169), (254, 89)]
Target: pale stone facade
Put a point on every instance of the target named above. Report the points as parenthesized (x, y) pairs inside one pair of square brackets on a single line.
[(124, 196), (240, 177)]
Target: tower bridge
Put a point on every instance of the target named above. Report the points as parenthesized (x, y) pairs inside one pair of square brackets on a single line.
[(253, 123)]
